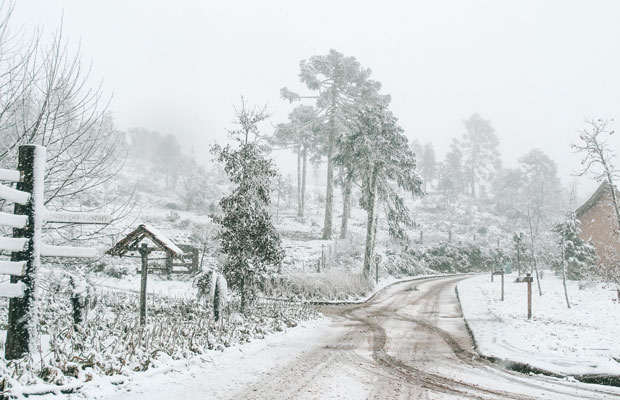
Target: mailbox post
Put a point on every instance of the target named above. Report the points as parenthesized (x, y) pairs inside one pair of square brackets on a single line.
[(527, 279)]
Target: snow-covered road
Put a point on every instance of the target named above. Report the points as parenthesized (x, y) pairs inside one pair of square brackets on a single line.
[(408, 342)]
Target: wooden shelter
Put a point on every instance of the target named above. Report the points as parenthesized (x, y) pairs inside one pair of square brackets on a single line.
[(132, 241), (135, 241)]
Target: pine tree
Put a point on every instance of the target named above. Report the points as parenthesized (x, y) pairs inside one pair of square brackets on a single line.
[(428, 164), (247, 235), (578, 254), (383, 159), (519, 250), (479, 147)]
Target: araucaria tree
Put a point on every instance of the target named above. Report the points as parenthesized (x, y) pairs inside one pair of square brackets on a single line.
[(385, 162), (479, 147), (341, 85), (305, 133), (247, 235)]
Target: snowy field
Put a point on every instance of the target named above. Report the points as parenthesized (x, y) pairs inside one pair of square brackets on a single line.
[(582, 340)]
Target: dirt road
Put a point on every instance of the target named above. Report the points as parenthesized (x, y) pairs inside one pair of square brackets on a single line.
[(409, 342)]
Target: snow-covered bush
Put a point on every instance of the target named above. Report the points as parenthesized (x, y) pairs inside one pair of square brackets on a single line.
[(454, 258), (111, 341)]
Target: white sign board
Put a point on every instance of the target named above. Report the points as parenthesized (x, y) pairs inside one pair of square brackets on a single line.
[(13, 244), (68, 251), (13, 220), (17, 268), (10, 175), (14, 195), (11, 289), (77, 218)]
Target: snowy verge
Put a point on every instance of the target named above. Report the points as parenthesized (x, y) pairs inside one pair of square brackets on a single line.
[(209, 372), (580, 341)]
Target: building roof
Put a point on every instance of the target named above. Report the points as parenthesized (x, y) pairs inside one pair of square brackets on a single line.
[(132, 240), (594, 199)]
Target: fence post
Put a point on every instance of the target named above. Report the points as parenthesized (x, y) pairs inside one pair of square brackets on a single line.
[(421, 237), (144, 253), (21, 332)]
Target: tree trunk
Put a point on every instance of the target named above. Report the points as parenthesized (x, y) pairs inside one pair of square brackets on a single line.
[(529, 218), (300, 210), (370, 223), (564, 273), (302, 197), (346, 206), (329, 194), (242, 294)]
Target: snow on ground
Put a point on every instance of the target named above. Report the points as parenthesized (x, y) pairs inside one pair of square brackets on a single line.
[(211, 373), (577, 341)]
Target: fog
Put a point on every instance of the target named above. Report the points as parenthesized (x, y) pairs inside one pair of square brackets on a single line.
[(535, 69)]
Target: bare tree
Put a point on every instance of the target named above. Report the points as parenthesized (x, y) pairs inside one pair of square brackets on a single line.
[(45, 99), (599, 163), (598, 158)]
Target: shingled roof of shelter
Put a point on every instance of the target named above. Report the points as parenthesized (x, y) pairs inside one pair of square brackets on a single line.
[(131, 241)]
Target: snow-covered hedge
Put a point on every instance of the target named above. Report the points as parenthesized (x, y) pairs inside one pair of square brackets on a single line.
[(112, 341)]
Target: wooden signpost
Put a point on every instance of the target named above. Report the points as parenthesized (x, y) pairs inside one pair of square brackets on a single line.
[(501, 273), (528, 279), (27, 247)]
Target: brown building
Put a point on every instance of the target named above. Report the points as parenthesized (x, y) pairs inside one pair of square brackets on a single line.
[(599, 223)]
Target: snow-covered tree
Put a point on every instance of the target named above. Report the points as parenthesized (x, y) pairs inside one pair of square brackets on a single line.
[(341, 84), (579, 255), (247, 235), (479, 146), (509, 194), (384, 162), (428, 165), (306, 135), (542, 198), (519, 250)]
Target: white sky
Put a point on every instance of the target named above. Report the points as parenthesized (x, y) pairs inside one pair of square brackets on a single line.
[(536, 69)]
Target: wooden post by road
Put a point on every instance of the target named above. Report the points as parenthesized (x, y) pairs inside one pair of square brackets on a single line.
[(144, 252), (500, 272), (502, 286), (527, 279)]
